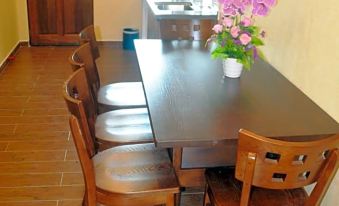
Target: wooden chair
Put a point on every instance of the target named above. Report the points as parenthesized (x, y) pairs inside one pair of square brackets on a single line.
[(88, 35), (278, 171), (124, 126), (126, 175), (112, 96)]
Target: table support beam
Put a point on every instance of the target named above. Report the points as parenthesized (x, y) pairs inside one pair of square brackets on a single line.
[(187, 177)]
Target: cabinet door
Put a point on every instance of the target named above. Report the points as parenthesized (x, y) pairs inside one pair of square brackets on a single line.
[(58, 22)]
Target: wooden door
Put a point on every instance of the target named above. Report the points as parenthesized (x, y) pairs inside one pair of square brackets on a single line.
[(58, 22)]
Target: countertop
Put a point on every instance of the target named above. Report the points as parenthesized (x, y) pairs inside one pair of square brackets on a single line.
[(201, 10)]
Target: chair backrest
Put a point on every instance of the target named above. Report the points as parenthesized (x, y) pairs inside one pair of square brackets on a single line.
[(85, 158), (88, 35), (275, 164), (80, 103), (82, 57)]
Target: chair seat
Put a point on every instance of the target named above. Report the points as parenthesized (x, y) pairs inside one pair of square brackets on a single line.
[(224, 190), (136, 168), (122, 95), (124, 126)]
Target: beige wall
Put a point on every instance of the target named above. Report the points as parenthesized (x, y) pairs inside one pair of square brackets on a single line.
[(111, 16), (8, 28), (303, 44), (22, 19)]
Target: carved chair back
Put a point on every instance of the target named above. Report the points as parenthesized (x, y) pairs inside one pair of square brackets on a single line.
[(275, 164)]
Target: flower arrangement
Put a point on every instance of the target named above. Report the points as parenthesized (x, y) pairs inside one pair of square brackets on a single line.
[(235, 35)]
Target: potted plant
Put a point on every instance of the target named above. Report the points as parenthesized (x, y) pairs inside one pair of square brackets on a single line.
[(236, 37)]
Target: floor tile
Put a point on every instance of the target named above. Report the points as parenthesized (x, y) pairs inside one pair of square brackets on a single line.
[(39, 167), (41, 193), (3, 146), (29, 203), (35, 135), (72, 179), (8, 129), (23, 128), (40, 145), (10, 112), (70, 203), (72, 155), (20, 180), (32, 156)]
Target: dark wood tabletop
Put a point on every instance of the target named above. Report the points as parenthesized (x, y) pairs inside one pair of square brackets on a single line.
[(192, 105)]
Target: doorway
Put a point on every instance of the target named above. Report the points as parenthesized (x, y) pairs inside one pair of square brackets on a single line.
[(58, 22)]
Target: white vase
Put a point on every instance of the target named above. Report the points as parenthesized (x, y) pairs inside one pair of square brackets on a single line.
[(232, 68)]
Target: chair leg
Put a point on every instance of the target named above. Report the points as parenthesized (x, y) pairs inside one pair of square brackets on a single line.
[(178, 199), (89, 200), (207, 201), (84, 201), (170, 199)]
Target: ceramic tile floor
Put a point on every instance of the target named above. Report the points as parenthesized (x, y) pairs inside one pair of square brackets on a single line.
[(38, 161)]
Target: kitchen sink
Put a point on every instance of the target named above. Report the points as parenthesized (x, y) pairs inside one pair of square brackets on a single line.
[(180, 19), (175, 6)]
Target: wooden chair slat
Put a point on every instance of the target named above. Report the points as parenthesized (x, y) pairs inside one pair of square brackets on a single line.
[(88, 35)]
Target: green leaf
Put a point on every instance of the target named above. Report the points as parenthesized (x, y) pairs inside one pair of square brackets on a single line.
[(251, 29), (256, 41)]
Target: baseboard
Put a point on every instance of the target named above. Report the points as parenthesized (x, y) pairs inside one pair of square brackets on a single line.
[(10, 56)]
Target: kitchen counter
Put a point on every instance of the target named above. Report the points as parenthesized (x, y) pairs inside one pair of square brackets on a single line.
[(183, 9)]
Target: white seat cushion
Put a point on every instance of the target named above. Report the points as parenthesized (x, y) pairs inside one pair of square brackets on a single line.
[(124, 94), (124, 126)]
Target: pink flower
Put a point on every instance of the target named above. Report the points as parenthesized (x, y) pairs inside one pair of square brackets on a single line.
[(269, 3), (217, 28), (230, 10), (246, 22), (232, 7), (228, 22), (235, 31), (262, 7), (245, 39), (247, 2), (226, 2), (239, 4)]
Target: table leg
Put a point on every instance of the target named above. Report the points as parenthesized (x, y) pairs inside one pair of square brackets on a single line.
[(187, 177)]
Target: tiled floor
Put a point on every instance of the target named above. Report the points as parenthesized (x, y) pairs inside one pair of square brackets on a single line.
[(38, 161)]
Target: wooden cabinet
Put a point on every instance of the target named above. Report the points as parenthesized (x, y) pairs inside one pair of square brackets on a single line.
[(192, 29), (58, 22)]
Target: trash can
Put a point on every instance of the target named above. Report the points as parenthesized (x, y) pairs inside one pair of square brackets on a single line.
[(129, 34)]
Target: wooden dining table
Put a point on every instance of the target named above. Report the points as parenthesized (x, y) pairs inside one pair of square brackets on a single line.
[(197, 113)]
